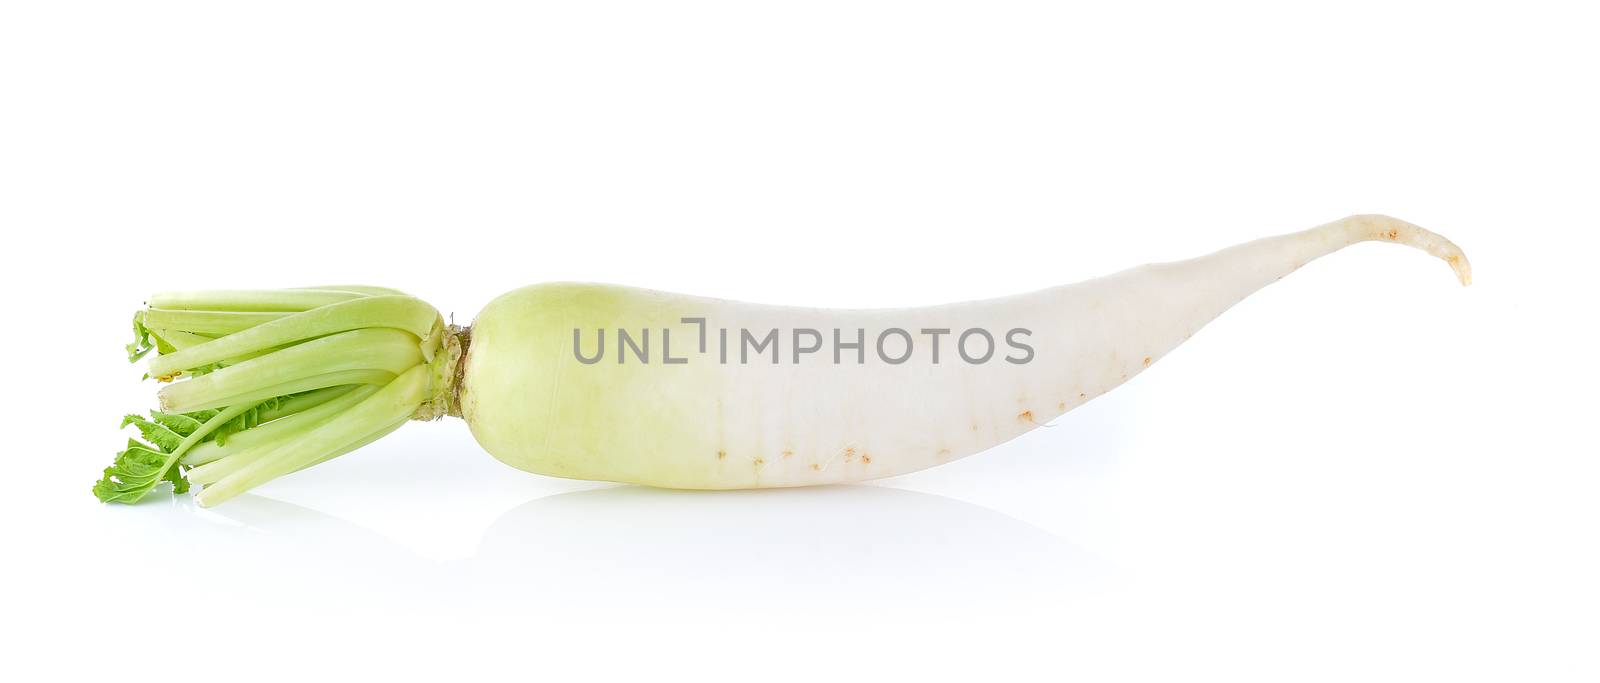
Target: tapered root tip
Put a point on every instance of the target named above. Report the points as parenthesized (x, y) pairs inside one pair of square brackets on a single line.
[(1390, 229), (1463, 269)]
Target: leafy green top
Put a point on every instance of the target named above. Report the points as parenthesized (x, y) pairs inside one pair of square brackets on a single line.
[(143, 342), (219, 353), (167, 436)]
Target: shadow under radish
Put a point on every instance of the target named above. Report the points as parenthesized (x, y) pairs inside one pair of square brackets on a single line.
[(626, 548)]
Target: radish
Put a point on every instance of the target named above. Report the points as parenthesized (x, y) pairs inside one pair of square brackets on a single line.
[(614, 383)]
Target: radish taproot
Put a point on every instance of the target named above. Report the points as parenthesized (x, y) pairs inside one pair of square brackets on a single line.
[(621, 384)]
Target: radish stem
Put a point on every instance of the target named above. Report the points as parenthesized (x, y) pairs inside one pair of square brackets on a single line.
[(290, 300)]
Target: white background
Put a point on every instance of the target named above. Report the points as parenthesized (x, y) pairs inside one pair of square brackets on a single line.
[(1364, 472)]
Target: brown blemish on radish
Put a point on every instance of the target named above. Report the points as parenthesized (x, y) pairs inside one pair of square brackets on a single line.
[(1025, 416), (1061, 406), (788, 454), (722, 455), (816, 467), (866, 459), (759, 462), (1147, 361)]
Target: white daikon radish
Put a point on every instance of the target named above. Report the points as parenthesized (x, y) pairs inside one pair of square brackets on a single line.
[(621, 384)]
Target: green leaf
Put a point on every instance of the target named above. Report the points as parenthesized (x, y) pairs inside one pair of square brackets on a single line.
[(157, 434), (181, 424), (201, 415), (141, 466), (176, 476), (231, 427), (246, 420), (134, 473), (142, 340)]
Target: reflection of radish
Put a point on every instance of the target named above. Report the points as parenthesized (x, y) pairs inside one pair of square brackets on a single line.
[(604, 382)]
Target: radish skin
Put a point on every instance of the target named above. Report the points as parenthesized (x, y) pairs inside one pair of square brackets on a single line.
[(707, 425), (299, 376)]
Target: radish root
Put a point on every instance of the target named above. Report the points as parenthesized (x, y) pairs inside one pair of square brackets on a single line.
[(1377, 227)]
